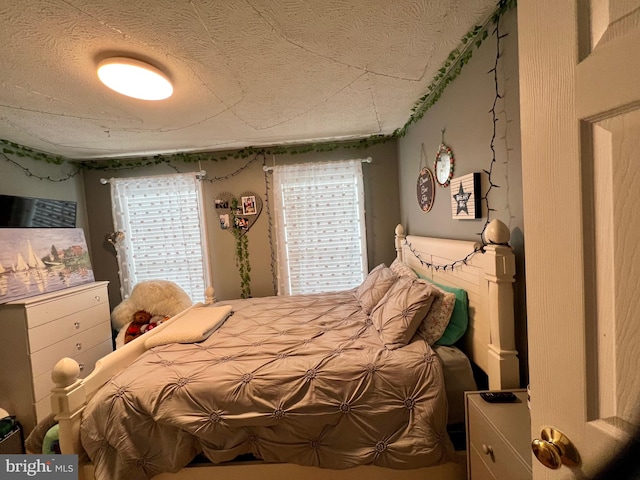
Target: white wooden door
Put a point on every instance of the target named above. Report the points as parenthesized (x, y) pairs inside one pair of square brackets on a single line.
[(580, 119)]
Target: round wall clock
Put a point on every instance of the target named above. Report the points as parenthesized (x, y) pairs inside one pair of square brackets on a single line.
[(443, 165), (426, 190)]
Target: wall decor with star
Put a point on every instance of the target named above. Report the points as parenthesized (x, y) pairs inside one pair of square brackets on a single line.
[(465, 202)]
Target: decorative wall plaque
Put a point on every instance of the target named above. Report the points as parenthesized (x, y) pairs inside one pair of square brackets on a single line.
[(426, 190)]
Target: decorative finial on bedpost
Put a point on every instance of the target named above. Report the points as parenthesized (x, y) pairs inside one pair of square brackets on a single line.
[(65, 372), (399, 241), (209, 296), (497, 233)]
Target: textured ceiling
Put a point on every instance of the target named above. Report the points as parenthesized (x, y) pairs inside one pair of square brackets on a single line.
[(245, 72)]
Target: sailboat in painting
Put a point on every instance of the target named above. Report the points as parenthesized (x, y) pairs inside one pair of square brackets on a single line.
[(53, 259), (32, 259), (21, 264)]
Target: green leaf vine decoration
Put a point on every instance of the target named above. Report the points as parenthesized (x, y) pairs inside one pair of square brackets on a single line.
[(450, 70), (242, 253)]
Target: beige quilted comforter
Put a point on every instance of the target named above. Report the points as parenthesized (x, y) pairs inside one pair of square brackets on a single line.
[(299, 379)]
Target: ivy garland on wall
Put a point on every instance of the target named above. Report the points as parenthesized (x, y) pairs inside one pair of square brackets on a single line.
[(450, 70), (242, 253)]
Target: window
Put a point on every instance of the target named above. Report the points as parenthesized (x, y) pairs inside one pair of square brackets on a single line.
[(161, 218), (319, 225)]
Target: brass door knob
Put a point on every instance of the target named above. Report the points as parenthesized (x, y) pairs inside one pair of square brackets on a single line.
[(554, 449)]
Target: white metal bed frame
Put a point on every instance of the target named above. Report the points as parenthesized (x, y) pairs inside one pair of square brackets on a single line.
[(489, 342)]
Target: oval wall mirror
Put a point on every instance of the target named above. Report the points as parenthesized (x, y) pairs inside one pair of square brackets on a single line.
[(443, 165)]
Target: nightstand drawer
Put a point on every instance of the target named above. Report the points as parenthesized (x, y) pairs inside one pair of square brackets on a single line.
[(478, 467), (498, 456), (64, 304)]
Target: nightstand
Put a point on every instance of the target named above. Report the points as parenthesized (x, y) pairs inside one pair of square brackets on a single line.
[(498, 438)]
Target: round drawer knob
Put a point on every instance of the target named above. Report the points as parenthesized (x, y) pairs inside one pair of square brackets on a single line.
[(81, 366), (488, 450), (97, 297), (76, 324), (78, 346)]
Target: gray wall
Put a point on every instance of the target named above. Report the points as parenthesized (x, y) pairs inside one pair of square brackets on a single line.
[(16, 181), (382, 211), (463, 112)]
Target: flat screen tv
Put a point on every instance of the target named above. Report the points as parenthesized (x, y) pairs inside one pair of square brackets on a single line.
[(28, 212)]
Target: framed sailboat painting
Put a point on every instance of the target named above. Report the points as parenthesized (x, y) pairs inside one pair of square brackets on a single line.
[(34, 261)]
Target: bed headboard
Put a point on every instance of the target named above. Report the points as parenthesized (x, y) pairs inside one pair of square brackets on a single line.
[(487, 277)]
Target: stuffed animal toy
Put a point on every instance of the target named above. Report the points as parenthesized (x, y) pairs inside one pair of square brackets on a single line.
[(142, 323), (139, 325), (158, 298)]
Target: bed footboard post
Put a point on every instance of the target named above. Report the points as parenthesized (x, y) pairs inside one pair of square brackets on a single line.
[(209, 296), (399, 241), (68, 400), (503, 363)]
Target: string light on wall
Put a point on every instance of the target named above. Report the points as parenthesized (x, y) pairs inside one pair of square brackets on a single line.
[(497, 232), (29, 173), (267, 195), (494, 116), (238, 170)]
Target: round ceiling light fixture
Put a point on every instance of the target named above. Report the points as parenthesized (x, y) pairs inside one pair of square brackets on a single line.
[(134, 78)]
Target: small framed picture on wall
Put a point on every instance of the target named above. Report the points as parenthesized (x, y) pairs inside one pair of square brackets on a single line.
[(249, 205)]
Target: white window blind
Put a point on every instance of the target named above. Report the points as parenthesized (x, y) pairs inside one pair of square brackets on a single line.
[(161, 218), (320, 226)]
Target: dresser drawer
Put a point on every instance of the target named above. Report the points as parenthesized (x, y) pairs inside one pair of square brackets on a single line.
[(65, 327), (42, 384), (503, 462), (87, 361), (51, 309), (45, 359)]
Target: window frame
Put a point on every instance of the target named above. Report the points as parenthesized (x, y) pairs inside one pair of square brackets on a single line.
[(286, 175), (126, 222)]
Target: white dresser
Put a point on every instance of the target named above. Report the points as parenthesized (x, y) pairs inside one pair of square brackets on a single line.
[(38, 331)]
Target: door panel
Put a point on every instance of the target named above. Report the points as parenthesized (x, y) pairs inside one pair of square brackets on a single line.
[(612, 235), (580, 118)]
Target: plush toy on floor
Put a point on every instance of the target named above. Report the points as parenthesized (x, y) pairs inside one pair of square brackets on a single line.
[(150, 302)]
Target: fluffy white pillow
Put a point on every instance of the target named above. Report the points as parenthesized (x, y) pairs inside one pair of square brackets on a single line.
[(158, 297)]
